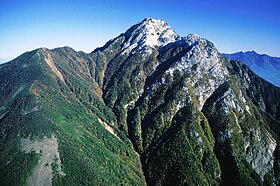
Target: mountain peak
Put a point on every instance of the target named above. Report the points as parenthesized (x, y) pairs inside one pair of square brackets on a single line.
[(194, 38), (153, 21), (149, 33), (157, 108), (250, 52)]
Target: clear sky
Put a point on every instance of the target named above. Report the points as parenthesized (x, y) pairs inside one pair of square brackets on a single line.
[(232, 25)]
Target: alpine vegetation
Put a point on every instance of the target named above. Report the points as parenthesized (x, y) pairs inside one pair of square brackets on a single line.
[(150, 107)]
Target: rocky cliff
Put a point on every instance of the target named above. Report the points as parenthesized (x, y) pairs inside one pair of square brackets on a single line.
[(149, 107)]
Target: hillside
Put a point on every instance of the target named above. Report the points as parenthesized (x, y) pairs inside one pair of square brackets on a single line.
[(148, 108)]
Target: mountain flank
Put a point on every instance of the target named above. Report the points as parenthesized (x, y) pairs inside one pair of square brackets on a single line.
[(148, 108)]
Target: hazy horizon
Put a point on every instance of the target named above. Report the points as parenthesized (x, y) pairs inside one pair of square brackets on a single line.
[(231, 26)]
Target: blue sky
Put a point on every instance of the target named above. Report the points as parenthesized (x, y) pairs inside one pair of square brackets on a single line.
[(84, 25)]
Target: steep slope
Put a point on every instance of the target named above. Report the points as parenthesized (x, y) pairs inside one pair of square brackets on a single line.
[(48, 98), (193, 116), (128, 60), (165, 97), (265, 66)]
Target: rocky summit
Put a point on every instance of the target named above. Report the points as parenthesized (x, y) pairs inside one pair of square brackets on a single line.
[(148, 108)]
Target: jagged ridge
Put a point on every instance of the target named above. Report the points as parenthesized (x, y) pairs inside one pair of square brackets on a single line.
[(194, 116)]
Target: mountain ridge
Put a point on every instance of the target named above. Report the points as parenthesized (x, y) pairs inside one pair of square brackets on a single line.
[(264, 65), (148, 107)]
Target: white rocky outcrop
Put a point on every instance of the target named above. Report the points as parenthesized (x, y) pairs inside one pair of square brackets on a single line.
[(259, 151), (204, 65), (49, 156), (148, 34)]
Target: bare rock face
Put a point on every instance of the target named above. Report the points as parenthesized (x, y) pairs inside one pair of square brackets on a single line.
[(49, 163), (260, 152), (184, 71), (204, 66), (148, 34), (148, 108)]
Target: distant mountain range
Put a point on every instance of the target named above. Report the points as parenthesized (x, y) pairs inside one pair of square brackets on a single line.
[(148, 108), (265, 66)]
